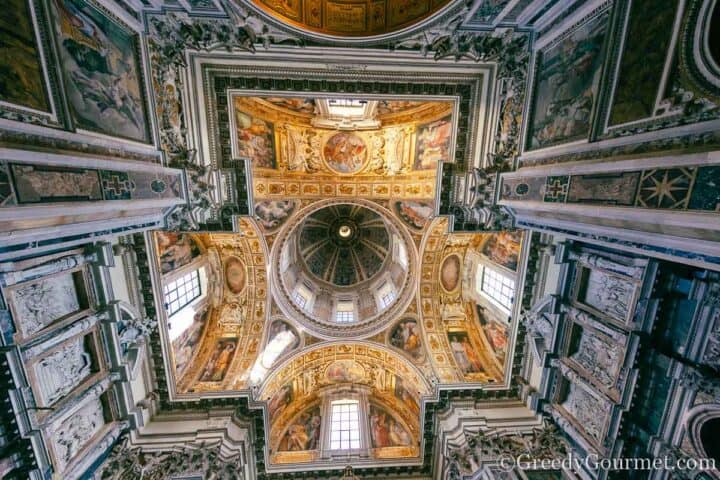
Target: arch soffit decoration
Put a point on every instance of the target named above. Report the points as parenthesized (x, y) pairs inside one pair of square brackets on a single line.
[(243, 314), (373, 353), (435, 303)]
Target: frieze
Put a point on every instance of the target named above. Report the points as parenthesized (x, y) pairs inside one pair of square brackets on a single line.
[(32, 183), (672, 188)]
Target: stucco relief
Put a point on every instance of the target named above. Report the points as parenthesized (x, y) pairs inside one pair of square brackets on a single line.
[(40, 303), (62, 370), (588, 410), (70, 436)]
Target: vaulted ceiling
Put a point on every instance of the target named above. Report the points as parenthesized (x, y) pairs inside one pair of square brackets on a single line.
[(345, 220)]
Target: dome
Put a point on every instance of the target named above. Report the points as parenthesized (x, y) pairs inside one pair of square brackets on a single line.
[(344, 245), (352, 18), (343, 268)]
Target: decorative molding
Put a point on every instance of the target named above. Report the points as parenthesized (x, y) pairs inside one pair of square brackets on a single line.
[(206, 461)]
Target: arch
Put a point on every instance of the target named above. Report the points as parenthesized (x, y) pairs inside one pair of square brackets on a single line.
[(319, 357), (703, 426), (699, 51)]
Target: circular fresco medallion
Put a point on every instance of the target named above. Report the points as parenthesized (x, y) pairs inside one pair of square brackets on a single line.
[(450, 273), (345, 153), (234, 275)]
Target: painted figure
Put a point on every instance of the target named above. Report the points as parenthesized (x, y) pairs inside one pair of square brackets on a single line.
[(406, 336), (175, 250), (414, 214), (255, 140), (345, 152), (102, 71), (433, 144), (219, 362), (271, 214)]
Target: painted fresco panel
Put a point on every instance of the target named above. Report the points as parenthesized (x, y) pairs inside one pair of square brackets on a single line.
[(415, 214), (101, 67), (405, 397), (503, 248), (450, 272), (175, 250), (40, 183), (386, 431), (219, 362), (186, 344), (272, 214), (235, 276), (343, 371), (609, 188), (566, 86), (407, 337), (497, 337), (297, 105), (433, 144), (303, 432), (21, 73), (389, 107), (282, 338), (282, 398), (345, 152), (465, 354), (255, 140), (646, 46)]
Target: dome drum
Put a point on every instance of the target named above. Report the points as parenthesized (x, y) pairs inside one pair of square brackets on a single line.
[(343, 268)]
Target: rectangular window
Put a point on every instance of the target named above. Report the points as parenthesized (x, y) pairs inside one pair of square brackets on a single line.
[(387, 299), (181, 292), (345, 312), (498, 287), (300, 301), (386, 295), (344, 425)]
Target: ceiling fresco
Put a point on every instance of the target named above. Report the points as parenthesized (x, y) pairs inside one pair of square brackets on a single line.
[(340, 215), (240, 341)]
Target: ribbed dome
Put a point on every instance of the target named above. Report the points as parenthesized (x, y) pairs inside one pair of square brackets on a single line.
[(344, 244)]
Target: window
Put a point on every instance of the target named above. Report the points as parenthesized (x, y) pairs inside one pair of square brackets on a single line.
[(497, 287), (344, 425), (181, 292), (301, 296), (345, 107), (299, 299), (402, 253), (387, 299), (345, 312), (386, 295)]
